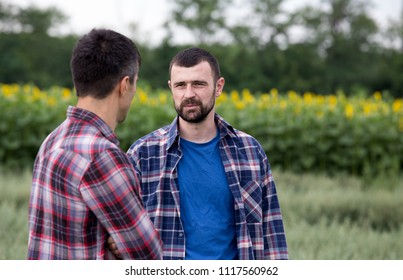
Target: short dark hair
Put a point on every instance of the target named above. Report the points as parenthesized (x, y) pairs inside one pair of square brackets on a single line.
[(193, 56), (100, 60)]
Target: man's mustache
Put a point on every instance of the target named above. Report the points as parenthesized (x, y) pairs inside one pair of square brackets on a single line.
[(190, 102)]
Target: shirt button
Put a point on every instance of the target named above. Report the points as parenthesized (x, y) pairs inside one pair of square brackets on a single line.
[(181, 234)]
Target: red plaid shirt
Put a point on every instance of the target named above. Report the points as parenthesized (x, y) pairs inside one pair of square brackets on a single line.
[(83, 191)]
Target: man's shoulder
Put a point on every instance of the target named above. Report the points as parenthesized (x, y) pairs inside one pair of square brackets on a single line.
[(158, 134), (233, 131), (245, 137), (158, 137), (80, 138)]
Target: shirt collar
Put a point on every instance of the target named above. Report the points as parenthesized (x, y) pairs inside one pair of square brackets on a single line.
[(224, 127), (91, 118), (173, 133)]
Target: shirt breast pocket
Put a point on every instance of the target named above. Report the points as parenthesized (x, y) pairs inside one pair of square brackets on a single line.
[(252, 199)]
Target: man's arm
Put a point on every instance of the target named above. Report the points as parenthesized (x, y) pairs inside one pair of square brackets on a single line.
[(275, 244), (110, 190)]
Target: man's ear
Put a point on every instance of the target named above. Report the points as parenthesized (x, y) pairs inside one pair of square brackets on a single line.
[(124, 85), (219, 86), (169, 84)]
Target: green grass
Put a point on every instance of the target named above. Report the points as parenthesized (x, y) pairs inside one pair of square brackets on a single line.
[(329, 218), (341, 217), (14, 195)]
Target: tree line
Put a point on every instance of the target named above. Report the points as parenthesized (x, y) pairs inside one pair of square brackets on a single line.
[(260, 44)]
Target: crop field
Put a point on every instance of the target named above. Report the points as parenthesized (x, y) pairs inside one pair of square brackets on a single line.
[(300, 132), (337, 161)]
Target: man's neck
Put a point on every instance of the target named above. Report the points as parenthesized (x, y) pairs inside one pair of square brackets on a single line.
[(198, 132), (102, 108)]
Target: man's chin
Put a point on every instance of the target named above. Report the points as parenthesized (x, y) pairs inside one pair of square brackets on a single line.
[(193, 118)]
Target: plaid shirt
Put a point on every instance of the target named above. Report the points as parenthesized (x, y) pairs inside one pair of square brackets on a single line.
[(84, 190), (259, 226)]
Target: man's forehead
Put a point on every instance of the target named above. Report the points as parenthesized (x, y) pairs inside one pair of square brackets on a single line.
[(199, 71)]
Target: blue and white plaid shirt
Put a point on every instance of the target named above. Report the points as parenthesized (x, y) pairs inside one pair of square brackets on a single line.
[(259, 225)]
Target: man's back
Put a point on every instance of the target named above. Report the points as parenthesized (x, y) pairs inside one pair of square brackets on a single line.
[(76, 183)]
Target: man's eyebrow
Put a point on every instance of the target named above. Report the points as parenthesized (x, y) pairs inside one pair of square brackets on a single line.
[(191, 82), (200, 82), (179, 83)]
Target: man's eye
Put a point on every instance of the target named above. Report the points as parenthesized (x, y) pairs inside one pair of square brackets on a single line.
[(199, 84)]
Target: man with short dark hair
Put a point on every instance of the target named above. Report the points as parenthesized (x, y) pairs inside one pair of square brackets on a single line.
[(84, 188), (208, 187)]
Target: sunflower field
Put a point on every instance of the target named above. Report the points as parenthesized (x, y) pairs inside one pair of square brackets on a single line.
[(359, 135)]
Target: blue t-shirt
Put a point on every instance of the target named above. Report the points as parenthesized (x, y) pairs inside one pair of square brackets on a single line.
[(207, 204)]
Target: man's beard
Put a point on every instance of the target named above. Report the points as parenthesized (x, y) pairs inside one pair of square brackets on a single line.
[(196, 114)]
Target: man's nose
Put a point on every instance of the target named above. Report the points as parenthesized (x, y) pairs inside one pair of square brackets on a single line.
[(189, 92)]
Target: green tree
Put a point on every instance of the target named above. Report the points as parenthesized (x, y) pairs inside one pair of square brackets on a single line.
[(269, 22), (155, 64), (38, 21), (14, 19), (204, 18), (7, 17), (390, 68), (28, 54), (344, 34)]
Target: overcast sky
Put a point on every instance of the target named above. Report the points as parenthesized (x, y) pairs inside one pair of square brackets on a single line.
[(150, 14)]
